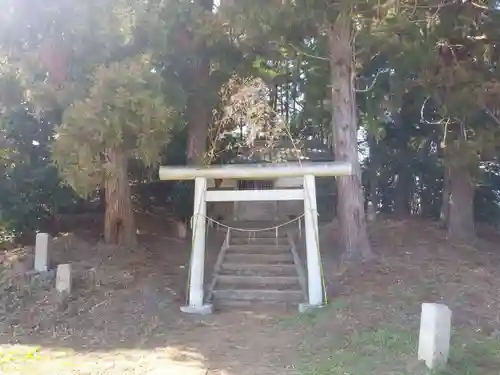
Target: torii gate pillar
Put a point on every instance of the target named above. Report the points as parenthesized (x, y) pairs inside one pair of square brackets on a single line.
[(197, 266)]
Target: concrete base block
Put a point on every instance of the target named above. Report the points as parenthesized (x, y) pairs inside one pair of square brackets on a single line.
[(306, 308), (203, 310)]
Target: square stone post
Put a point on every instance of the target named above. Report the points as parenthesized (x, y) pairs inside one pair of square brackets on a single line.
[(197, 266), (235, 211), (63, 279), (42, 248), (434, 338), (315, 285)]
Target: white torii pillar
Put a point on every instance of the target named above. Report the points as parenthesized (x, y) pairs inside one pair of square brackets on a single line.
[(314, 278), (196, 281), (308, 171)]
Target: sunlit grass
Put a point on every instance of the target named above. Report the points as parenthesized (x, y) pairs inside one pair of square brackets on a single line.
[(15, 353), (393, 350)]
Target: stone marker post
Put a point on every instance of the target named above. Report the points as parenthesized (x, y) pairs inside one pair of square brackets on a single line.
[(42, 252), (371, 213), (435, 331), (63, 279)]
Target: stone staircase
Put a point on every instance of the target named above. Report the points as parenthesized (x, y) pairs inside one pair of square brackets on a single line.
[(254, 269)]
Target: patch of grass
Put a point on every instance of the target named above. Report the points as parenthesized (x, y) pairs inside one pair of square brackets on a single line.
[(390, 350), (384, 350), (473, 355), (385, 339), (312, 317), (298, 319)]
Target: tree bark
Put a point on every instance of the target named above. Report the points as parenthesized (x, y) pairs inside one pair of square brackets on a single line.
[(119, 224), (197, 115), (445, 204), (198, 109), (402, 193), (372, 171), (461, 226), (352, 220)]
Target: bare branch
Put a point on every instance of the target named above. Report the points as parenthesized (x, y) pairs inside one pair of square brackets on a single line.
[(492, 115), (299, 52), (372, 85), (422, 116), (479, 5)]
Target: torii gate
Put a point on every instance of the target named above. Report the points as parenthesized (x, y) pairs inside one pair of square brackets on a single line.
[(308, 171)]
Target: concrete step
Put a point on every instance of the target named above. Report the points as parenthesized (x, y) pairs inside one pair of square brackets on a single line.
[(258, 241), (250, 258), (238, 269), (257, 282), (292, 296), (259, 249)]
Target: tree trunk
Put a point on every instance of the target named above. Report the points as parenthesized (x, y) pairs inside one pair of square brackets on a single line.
[(372, 171), (445, 204), (354, 236), (198, 109), (461, 226), (119, 225), (402, 193), (197, 114)]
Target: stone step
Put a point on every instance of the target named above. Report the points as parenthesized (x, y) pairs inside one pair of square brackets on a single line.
[(248, 269), (259, 249), (292, 296), (266, 234), (254, 306), (258, 241), (257, 282), (284, 258)]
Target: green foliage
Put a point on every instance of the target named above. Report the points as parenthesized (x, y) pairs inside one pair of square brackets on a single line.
[(31, 191), (125, 109), (487, 199), (122, 75)]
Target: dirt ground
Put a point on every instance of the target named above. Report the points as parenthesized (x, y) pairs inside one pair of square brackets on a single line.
[(124, 318)]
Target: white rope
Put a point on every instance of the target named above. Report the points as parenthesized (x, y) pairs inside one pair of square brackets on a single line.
[(252, 230)]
